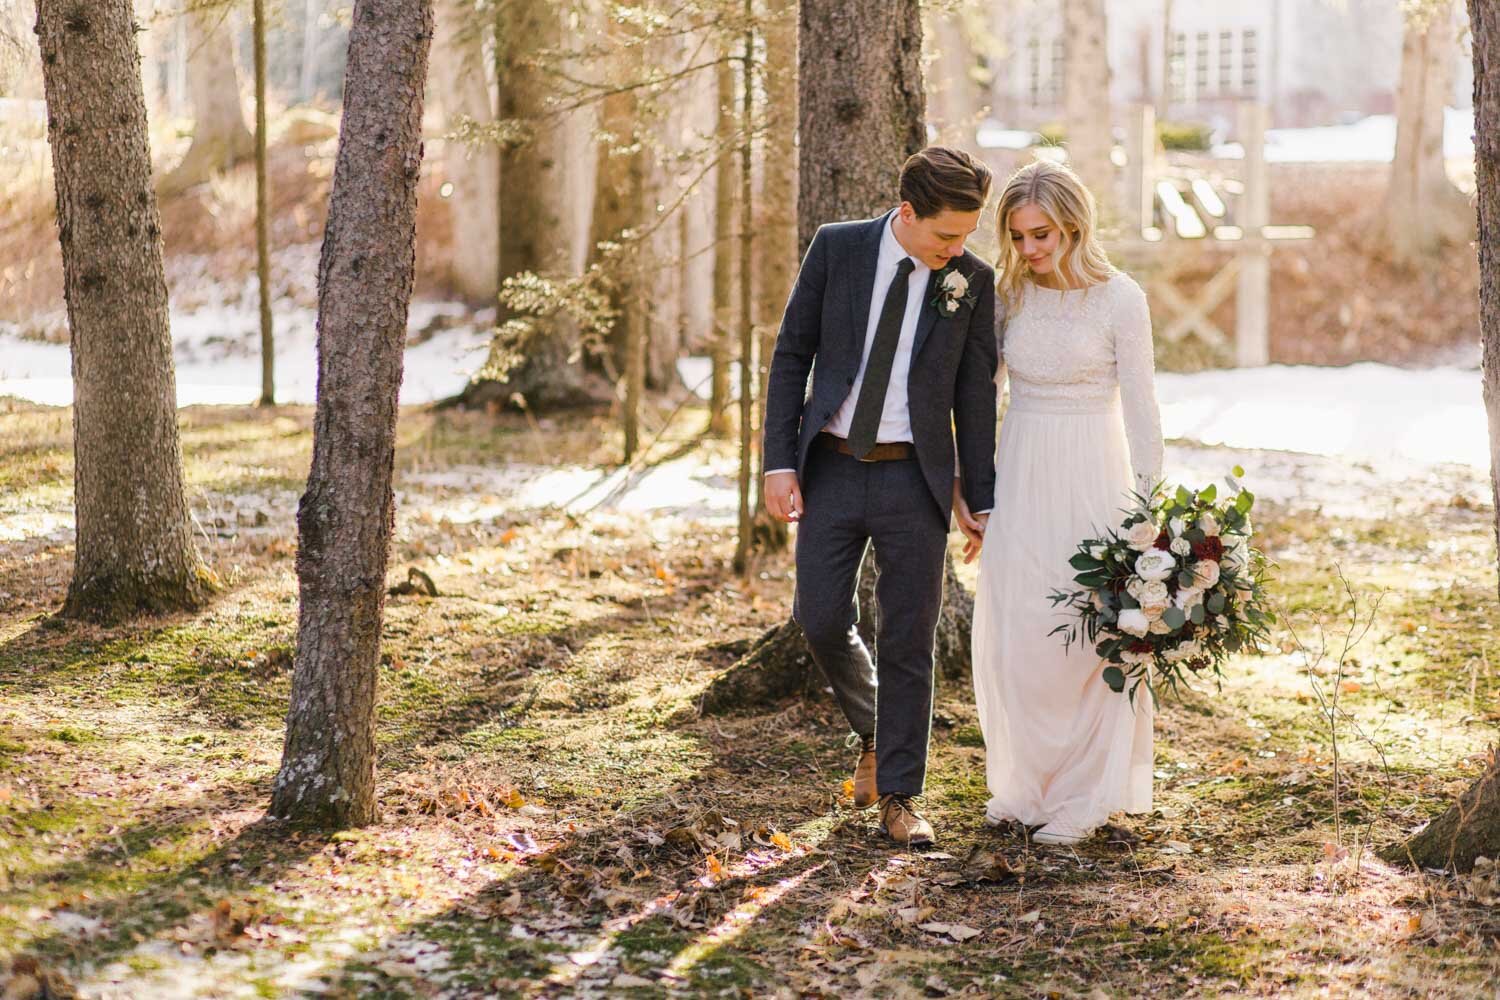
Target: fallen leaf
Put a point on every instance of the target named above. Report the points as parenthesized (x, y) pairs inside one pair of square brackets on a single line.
[(781, 840)]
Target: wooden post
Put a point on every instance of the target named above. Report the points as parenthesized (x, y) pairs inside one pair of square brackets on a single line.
[(1252, 299), (1140, 155)]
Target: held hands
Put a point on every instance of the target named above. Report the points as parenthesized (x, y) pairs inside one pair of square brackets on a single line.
[(783, 496), (973, 526)]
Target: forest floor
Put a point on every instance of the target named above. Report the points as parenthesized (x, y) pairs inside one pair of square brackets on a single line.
[(558, 819)]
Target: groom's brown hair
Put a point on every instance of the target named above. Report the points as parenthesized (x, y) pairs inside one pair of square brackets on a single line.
[(942, 178)]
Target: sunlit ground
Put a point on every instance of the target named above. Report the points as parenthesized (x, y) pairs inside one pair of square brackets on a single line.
[(558, 820)]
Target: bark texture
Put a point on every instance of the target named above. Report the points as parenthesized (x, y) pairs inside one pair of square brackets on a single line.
[(1086, 98), (860, 107), (1424, 210), (1471, 826), (345, 517), (860, 102), (134, 550), (220, 138), (459, 88)]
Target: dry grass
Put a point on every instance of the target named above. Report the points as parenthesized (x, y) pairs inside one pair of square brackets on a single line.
[(557, 817)]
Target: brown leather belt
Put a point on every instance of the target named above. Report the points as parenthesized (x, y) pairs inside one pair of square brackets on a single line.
[(893, 451)]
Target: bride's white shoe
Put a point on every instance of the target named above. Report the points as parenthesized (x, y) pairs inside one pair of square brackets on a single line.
[(1061, 834)]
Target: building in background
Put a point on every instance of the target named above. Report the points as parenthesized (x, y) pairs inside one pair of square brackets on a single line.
[(1314, 62)]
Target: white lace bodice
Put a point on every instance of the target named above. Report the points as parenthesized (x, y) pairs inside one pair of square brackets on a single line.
[(1086, 349)]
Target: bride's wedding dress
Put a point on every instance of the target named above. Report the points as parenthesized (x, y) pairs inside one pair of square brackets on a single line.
[(1082, 430)]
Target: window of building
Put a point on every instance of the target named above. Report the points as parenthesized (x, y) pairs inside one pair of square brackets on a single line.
[(1249, 63), (1226, 62), (1177, 69), (1034, 71), (1200, 66), (1055, 82)]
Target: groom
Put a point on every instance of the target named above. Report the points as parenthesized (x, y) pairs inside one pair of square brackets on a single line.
[(896, 322)]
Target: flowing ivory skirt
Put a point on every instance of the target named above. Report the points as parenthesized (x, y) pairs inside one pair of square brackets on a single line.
[(1061, 747)]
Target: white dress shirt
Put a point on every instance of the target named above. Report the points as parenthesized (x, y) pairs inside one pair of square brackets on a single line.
[(895, 417)]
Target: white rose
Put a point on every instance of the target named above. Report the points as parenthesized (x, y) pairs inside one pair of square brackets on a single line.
[(1154, 564), (1176, 527), (1207, 524), (1159, 627), (1098, 552), (1172, 655), (1133, 621), (1181, 546), (1205, 573), (956, 283), (1141, 535), (1133, 658), (1154, 592), (1186, 598)]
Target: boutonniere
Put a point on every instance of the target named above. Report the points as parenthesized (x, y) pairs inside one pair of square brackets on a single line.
[(952, 291)]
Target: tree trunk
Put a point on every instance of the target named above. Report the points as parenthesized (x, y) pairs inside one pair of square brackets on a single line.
[(263, 216), (777, 228), (860, 106), (220, 138), (1471, 827), (459, 88), (307, 80), (1424, 210), (661, 250), (853, 143), (724, 251), (745, 534), (345, 517), (952, 103), (134, 549), (617, 199), (1086, 99)]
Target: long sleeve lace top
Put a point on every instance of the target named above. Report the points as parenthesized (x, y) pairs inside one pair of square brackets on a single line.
[(1082, 349)]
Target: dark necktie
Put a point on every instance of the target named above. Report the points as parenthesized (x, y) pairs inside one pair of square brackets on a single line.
[(870, 406)]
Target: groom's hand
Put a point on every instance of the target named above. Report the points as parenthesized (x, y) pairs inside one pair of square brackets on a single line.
[(783, 496), (972, 526)]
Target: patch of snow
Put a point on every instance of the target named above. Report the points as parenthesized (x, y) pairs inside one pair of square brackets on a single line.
[(1363, 411), (1371, 139)]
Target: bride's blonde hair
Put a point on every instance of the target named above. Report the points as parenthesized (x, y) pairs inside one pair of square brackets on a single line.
[(1079, 260)]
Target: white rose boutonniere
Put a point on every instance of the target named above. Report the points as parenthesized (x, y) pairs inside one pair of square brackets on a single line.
[(952, 292)]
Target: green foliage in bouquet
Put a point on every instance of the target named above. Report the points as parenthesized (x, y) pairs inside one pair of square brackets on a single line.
[(1173, 592)]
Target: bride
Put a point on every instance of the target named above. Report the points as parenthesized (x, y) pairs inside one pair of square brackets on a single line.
[(1082, 430)]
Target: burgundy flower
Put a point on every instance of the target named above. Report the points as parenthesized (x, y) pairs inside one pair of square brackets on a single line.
[(1141, 646), (1164, 541), (1209, 548)]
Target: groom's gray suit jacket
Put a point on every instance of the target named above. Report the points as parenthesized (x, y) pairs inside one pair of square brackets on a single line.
[(951, 385)]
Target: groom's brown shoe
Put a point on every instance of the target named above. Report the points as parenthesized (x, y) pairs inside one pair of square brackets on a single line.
[(864, 774), (900, 821)]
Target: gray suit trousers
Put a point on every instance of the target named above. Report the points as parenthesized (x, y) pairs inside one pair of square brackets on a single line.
[(848, 506)]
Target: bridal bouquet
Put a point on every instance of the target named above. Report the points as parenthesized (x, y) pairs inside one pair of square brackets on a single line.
[(1173, 592)]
